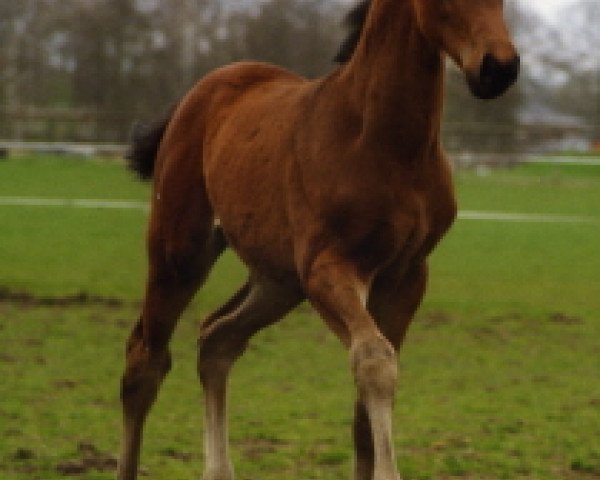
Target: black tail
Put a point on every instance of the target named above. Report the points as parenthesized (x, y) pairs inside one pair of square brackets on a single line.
[(145, 141)]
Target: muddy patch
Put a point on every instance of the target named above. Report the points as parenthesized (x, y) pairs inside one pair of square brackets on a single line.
[(5, 358), (65, 384), (491, 333), (185, 457), (23, 454), (23, 459), (508, 317), (27, 299), (257, 448), (91, 459), (435, 319), (564, 319)]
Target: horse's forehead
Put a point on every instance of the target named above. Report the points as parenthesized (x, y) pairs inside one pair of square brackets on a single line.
[(475, 11)]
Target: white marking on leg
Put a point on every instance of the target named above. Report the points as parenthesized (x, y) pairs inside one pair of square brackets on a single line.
[(380, 414), (375, 371), (216, 441)]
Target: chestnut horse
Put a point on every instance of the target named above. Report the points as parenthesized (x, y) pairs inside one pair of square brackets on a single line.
[(334, 190)]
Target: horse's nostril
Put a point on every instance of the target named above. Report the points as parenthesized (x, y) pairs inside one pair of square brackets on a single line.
[(495, 72), (490, 68), (495, 76), (515, 67)]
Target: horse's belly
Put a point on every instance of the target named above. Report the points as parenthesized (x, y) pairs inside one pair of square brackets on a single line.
[(261, 241)]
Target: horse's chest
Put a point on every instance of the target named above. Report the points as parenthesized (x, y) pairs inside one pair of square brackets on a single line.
[(376, 231)]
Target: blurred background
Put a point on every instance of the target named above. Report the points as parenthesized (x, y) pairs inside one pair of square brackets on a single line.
[(85, 70)]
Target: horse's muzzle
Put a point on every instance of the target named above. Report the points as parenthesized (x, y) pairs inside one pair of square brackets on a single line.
[(494, 77)]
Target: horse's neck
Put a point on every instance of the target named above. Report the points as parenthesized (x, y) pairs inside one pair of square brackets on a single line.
[(396, 79)]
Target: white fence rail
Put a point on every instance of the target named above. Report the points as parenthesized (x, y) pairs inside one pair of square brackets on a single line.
[(459, 159), (62, 148)]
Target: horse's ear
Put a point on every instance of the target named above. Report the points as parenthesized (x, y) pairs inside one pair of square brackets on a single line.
[(354, 22)]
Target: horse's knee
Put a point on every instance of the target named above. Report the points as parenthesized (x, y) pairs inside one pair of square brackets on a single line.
[(144, 371), (374, 366)]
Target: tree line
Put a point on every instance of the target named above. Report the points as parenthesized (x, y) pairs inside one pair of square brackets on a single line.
[(87, 69)]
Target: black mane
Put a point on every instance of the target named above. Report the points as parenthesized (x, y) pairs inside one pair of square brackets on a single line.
[(355, 22)]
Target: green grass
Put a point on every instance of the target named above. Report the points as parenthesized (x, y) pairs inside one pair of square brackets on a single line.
[(68, 177), (499, 373), (533, 188)]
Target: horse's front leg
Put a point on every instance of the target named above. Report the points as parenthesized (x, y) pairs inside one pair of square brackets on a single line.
[(339, 292), (394, 297)]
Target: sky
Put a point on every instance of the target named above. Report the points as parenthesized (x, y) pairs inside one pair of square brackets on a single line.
[(548, 8)]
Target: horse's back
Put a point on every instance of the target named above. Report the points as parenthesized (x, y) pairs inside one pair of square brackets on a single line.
[(226, 86), (206, 107)]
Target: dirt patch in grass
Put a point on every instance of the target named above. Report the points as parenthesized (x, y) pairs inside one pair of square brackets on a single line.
[(564, 319), (257, 448), (5, 358), (491, 333), (22, 454), (185, 457), (65, 384), (508, 317), (436, 319), (27, 299), (90, 459)]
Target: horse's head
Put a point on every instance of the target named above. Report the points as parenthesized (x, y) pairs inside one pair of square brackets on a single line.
[(474, 34)]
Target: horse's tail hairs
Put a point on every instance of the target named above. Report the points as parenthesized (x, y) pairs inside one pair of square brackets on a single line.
[(145, 141)]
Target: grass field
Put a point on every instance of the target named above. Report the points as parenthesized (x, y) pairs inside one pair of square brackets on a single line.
[(500, 374)]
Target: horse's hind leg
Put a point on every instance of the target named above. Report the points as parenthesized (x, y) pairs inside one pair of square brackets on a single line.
[(223, 339), (178, 264)]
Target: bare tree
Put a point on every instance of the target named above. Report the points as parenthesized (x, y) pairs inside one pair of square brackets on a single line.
[(115, 61), (297, 34), (579, 62)]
